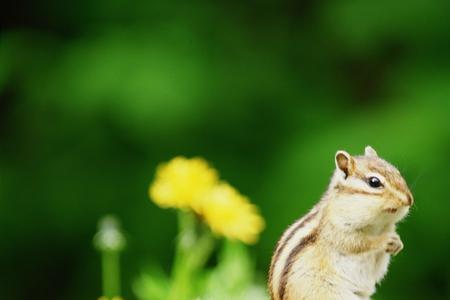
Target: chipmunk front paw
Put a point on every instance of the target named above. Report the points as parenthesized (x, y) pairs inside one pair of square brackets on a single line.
[(393, 245)]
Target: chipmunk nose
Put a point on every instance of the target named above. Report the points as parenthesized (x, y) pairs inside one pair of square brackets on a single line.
[(410, 199)]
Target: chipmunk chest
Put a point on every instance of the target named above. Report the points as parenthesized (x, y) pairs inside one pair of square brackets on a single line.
[(357, 270)]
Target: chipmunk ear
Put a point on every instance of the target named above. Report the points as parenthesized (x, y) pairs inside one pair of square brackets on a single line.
[(345, 162), (369, 151)]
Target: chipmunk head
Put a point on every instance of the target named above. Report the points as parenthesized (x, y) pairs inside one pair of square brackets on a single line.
[(369, 189)]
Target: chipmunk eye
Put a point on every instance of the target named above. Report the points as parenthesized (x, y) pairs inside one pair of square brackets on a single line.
[(374, 182)]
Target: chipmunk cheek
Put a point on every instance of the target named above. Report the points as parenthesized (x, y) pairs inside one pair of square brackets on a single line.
[(400, 198), (391, 198)]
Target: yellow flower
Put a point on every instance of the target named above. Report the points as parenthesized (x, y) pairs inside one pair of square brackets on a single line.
[(193, 184), (230, 214), (181, 182)]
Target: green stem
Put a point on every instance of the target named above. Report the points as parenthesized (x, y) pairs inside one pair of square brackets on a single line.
[(110, 241), (111, 273), (191, 254), (203, 248)]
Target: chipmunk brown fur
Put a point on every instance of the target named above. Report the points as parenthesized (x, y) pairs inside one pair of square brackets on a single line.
[(341, 249)]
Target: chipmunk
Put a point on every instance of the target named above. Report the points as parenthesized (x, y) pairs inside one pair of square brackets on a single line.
[(341, 249)]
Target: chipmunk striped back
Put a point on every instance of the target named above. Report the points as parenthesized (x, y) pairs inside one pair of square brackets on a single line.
[(298, 236)]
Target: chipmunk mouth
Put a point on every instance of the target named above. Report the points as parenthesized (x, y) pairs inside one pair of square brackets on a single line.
[(391, 210)]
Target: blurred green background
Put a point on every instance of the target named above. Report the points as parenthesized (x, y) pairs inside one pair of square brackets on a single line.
[(94, 94)]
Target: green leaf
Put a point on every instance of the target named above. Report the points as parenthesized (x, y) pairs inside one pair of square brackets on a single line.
[(153, 285), (234, 276)]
